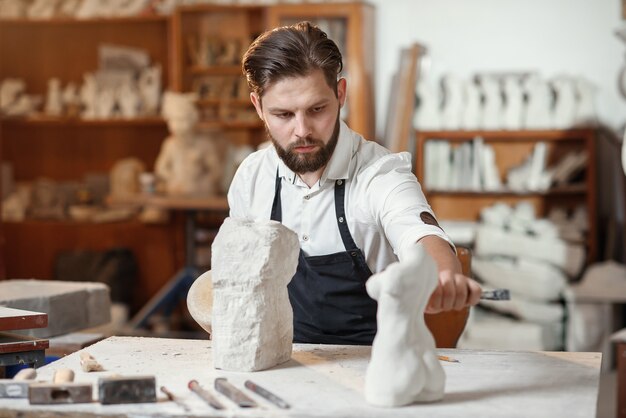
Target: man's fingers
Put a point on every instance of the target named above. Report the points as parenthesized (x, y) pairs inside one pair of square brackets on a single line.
[(474, 292), (434, 303), (461, 284)]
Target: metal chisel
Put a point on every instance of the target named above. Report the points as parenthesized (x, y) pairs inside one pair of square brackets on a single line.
[(234, 394), (496, 294)]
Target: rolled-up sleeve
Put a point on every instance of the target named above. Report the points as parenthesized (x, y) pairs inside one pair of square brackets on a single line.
[(398, 203)]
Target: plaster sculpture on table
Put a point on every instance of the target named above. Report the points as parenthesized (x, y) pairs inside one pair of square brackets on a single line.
[(243, 301), (452, 112), (128, 100), (149, 85), (565, 103), (537, 112), (188, 162), (54, 98), (585, 114), (404, 367), (472, 110), (89, 96), (234, 157), (124, 178), (513, 102), (47, 200), (493, 104), (427, 113)]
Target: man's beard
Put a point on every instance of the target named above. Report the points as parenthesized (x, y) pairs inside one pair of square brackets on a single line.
[(307, 162)]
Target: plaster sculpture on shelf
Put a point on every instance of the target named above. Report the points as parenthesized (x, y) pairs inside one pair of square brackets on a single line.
[(514, 100), (10, 91), (472, 110), (25, 105), (585, 114), (54, 98), (128, 100), (89, 9), (89, 96), (452, 112), (404, 367), (47, 200), (252, 318), (493, 104), (149, 85), (188, 162), (130, 7), (537, 112), (565, 103), (124, 178), (42, 9), (234, 157), (105, 105), (11, 9), (71, 100), (68, 8), (427, 114)]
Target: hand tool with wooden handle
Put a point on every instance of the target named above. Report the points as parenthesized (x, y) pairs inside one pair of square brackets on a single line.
[(61, 390)]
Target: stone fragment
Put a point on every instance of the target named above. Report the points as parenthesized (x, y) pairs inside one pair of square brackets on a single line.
[(252, 318)]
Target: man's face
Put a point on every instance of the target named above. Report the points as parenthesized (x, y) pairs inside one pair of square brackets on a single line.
[(301, 115)]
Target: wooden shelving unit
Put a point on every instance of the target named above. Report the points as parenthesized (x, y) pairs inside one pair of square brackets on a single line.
[(511, 149)]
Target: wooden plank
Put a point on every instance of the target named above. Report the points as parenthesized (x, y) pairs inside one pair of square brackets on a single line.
[(13, 319), (326, 380), (13, 343)]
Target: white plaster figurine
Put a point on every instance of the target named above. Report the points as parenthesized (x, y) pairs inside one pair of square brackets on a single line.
[(404, 367), (188, 162), (538, 111), (472, 116), (54, 99), (252, 318), (493, 106), (514, 99), (427, 114), (452, 112)]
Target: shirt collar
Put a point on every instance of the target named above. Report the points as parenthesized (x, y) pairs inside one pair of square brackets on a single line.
[(339, 165)]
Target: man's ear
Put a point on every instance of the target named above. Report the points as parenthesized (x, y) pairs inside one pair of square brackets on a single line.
[(341, 91), (256, 101)]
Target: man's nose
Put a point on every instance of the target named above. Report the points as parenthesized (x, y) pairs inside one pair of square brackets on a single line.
[(303, 127)]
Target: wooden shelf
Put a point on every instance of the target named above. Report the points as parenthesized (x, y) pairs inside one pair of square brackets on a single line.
[(90, 21), (216, 70), (572, 189), (509, 136), (60, 121), (224, 102)]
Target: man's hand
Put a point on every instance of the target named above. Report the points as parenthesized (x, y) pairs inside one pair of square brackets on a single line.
[(454, 291)]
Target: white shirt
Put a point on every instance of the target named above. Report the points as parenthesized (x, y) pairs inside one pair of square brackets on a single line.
[(383, 200)]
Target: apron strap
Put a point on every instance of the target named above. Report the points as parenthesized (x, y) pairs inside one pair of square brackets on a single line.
[(340, 211), (277, 210)]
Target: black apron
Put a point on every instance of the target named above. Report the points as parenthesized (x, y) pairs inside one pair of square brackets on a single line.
[(327, 293)]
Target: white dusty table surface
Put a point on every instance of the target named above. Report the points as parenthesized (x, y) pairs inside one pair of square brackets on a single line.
[(327, 381)]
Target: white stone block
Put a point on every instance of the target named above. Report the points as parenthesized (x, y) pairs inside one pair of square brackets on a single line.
[(252, 318)]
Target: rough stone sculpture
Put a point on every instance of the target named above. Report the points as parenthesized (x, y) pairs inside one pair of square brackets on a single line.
[(188, 162), (252, 318), (404, 367)]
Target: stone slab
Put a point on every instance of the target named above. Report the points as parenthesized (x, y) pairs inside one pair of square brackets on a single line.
[(71, 306)]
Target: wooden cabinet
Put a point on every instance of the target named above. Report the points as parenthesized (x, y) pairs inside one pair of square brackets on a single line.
[(65, 149), (351, 25), (511, 148), (199, 48)]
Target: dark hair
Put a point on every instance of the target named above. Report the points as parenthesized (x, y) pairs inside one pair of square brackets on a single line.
[(291, 51)]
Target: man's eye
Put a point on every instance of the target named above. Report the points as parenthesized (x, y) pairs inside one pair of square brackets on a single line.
[(317, 109), (284, 115)]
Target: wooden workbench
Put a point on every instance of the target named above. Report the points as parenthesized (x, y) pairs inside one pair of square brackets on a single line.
[(325, 381)]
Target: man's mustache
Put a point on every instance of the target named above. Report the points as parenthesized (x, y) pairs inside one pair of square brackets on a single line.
[(306, 142)]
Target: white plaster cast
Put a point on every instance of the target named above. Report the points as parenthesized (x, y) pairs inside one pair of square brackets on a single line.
[(538, 111), (452, 112), (565, 102), (188, 162), (54, 98), (585, 114), (472, 110), (149, 85), (128, 100), (10, 90), (514, 99), (124, 177), (252, 318), (89, 96), (493, 105), (404, 367), (427, 114)]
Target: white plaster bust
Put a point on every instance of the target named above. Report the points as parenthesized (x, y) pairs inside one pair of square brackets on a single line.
[(124, 177), (188, 162), (404, 367)]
